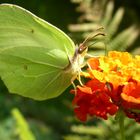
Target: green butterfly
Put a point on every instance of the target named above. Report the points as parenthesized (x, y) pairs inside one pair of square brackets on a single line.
[(37, 60)]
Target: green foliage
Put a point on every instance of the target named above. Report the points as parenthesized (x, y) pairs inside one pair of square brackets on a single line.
[(7, 130), (22, 128), (77, 137), (100, 13), (17, 128), (104, 130)]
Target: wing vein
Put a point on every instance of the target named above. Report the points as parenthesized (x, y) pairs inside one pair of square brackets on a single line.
[(51, 81), (37, 76), (38, 62)]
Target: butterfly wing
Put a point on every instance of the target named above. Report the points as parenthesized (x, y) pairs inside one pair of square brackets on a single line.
[(33, 54)]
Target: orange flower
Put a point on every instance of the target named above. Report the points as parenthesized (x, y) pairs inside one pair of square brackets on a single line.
[(131, 95)]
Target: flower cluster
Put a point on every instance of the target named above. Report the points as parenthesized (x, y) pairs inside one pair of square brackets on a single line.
[(113, 84)]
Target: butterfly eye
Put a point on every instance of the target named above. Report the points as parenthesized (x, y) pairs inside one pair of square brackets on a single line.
[(82, 48)]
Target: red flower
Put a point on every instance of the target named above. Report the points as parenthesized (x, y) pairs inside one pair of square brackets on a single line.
[(93, 100), (131, 100)]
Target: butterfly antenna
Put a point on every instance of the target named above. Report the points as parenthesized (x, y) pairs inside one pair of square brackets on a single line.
[(83, 47), (92, 44), (93, 35)]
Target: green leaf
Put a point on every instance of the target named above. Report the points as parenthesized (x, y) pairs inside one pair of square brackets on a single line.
[(124, 39), (108, 13), (22, 126), (115, 22)]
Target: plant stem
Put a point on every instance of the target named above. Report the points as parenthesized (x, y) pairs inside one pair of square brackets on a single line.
[(121, 125)]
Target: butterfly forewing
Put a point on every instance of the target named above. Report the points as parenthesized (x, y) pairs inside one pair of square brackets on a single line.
[(33, 54)]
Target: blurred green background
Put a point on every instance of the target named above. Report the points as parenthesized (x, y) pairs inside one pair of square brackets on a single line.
[(25, 119)]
